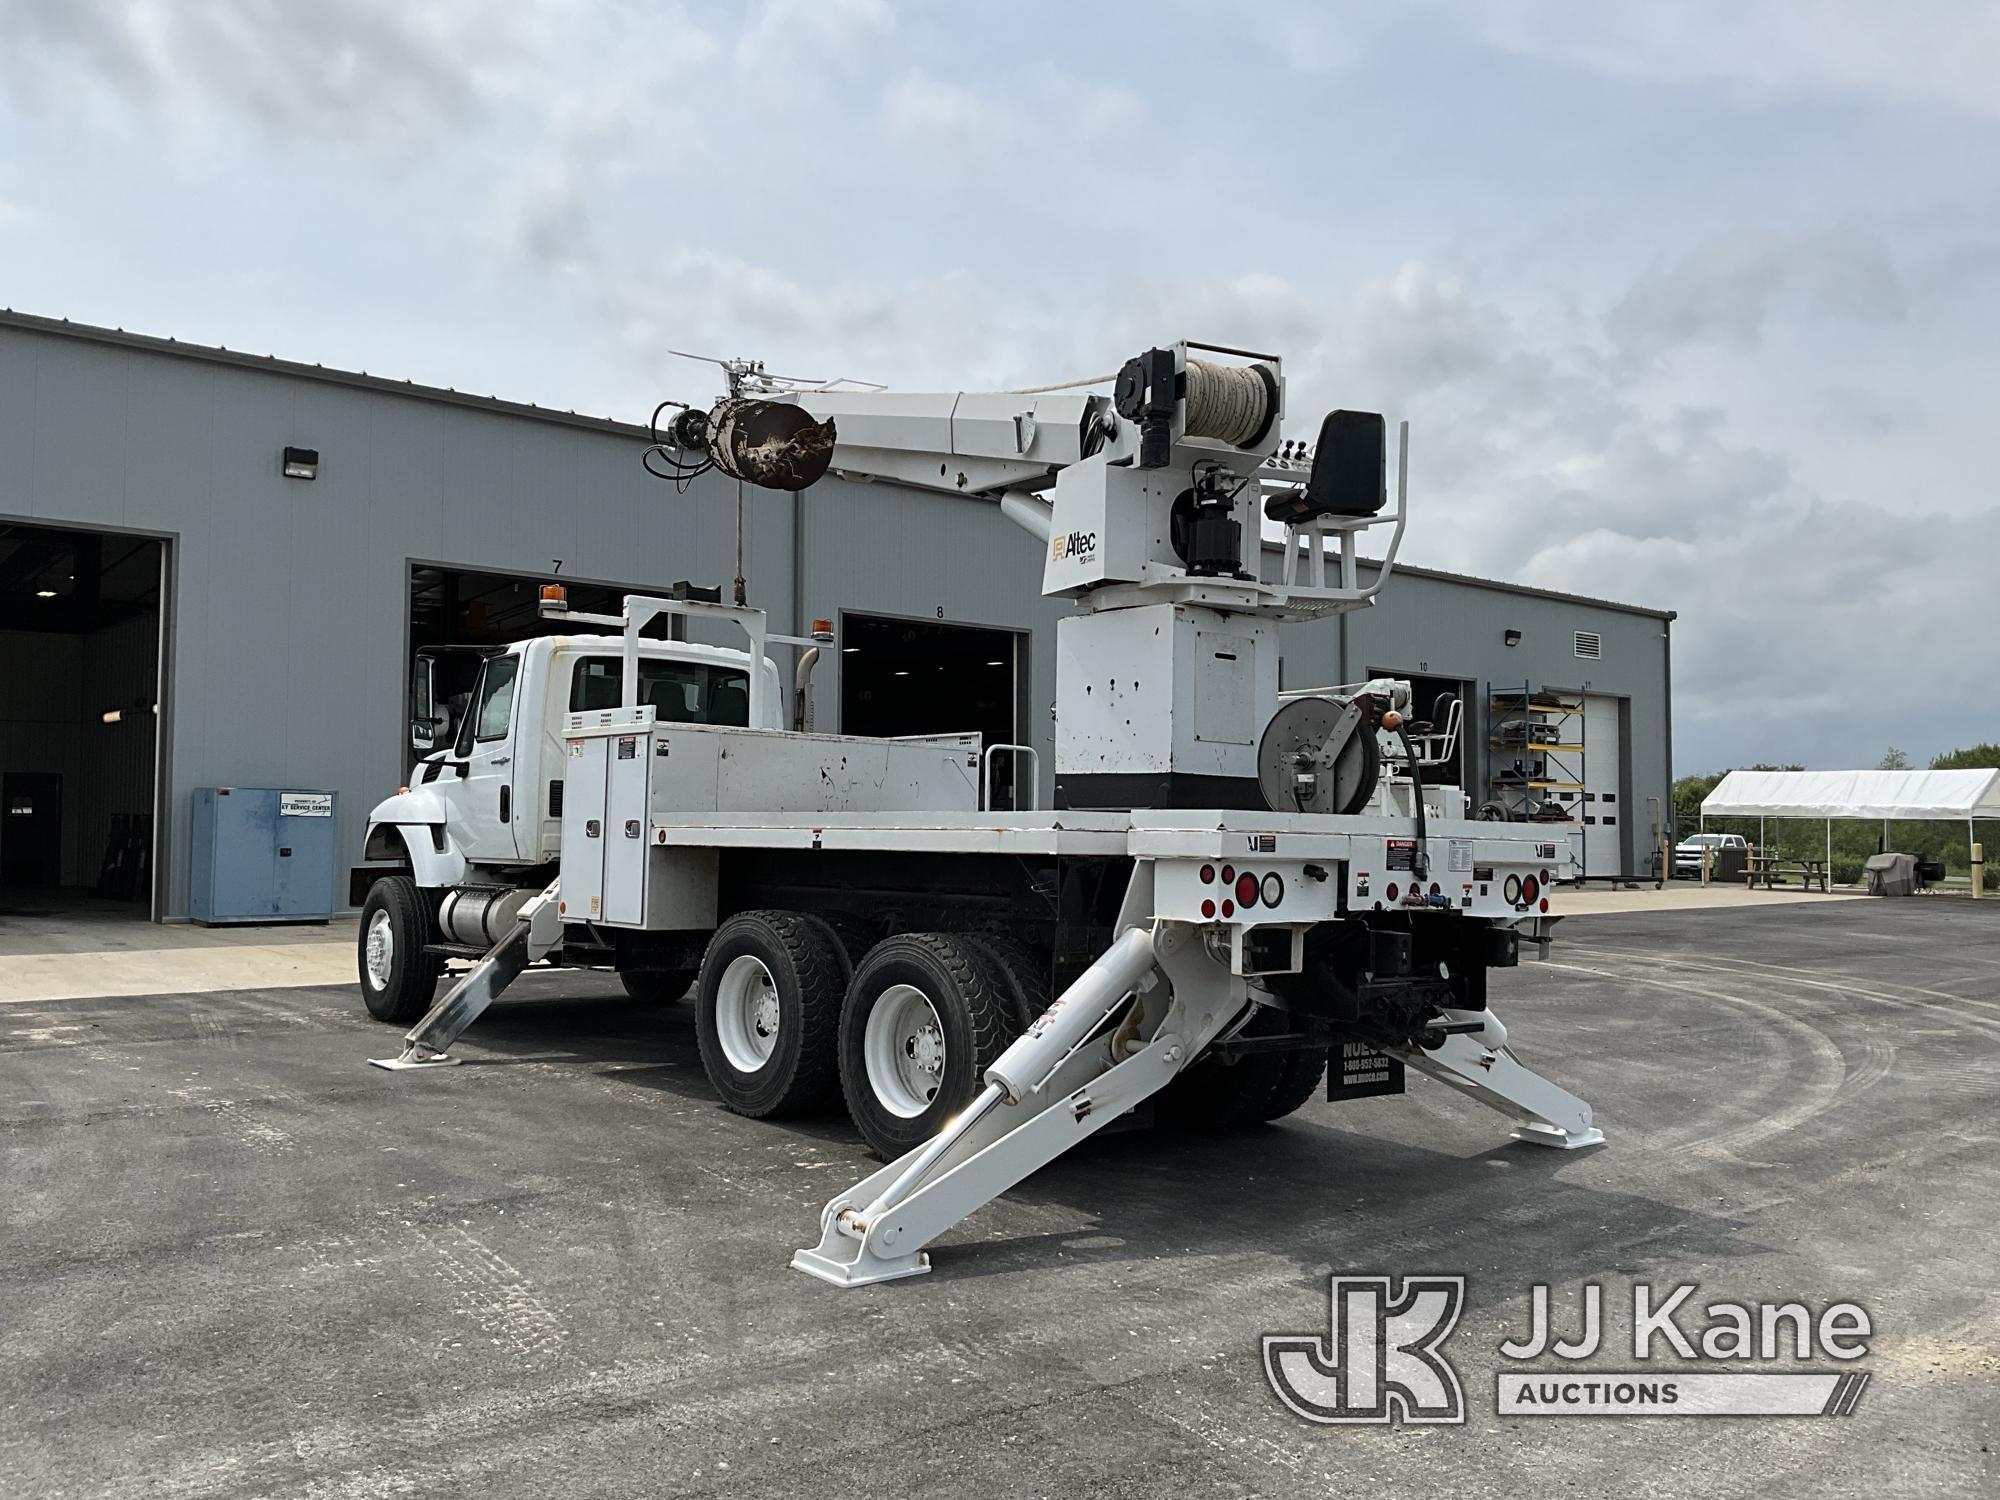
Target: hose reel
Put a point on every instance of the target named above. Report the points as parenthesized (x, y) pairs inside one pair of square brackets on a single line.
[(1319, 755)]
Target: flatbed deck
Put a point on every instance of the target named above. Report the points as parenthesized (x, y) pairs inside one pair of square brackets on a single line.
[(1155, 834)]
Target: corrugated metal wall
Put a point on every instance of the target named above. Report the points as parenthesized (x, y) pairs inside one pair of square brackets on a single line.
[(1439, 627), (290, 605)]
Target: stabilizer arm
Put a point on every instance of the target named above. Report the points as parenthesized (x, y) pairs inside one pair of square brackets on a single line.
[(536, 930), (1057, 1085)]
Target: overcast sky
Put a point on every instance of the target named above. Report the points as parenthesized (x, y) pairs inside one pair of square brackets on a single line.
[(1689, 305)]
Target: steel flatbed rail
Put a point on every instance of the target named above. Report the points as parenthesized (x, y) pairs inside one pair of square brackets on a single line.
[(1177, 834)]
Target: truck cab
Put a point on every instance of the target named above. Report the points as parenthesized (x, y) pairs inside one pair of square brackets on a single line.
[(489, 799), (450, 857)]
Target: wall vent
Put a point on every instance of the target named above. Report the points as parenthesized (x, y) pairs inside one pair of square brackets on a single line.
[(1589, 644)]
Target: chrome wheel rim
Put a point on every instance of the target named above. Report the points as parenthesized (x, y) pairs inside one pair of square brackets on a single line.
[(746, 1013), (379, 954), (903, 1048)]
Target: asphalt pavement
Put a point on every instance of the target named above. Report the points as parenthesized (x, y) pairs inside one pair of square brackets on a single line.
[(235, 1261)]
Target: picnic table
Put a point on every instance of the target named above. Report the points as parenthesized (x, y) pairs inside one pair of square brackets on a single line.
[(1771, 870)]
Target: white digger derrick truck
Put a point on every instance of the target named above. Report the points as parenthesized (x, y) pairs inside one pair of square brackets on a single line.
[(1232, 889)]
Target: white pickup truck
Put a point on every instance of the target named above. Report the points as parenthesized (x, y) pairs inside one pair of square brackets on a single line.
[(1688, 853)]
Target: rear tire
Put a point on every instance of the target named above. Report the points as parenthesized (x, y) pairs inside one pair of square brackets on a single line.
[(398, 978), (1260, 1086), (1297, 1084), (1024, 975), (852, 935), (767, 1011), (656, 986), (925, 1013)]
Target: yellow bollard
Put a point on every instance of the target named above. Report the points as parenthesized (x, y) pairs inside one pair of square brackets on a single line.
[(1978, 871)]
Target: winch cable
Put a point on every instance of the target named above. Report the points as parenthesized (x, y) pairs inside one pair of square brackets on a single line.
[(1229, 403)]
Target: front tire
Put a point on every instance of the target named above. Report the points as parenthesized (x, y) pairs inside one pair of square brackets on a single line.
[(925, 1014), (656, 986), (766, 1012), (398, 978)]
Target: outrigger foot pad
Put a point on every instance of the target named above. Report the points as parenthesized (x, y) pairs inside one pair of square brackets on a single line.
[(863, 1269), (418, 1056), (1556, 1138)]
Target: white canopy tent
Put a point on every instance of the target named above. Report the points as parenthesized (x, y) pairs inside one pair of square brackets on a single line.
[(1918, 796)]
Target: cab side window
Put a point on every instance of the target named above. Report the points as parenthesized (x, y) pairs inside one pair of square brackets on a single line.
[(496, 698), (595, 683), (680, 692)]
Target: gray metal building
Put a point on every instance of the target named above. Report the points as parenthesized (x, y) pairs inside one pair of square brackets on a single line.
[(154, 552)]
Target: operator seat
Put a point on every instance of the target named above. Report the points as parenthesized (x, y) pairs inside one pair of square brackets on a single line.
[(729, 702)]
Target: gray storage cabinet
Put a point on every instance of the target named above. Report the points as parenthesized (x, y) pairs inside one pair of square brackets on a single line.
[(263, 855)]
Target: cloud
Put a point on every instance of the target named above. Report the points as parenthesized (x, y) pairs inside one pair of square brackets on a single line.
[(368, 69), (1729, 288), (1930, 54), (1043, 102), (806, 35), (1707, 423)]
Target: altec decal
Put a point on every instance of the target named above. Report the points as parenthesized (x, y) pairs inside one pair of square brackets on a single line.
[(1074, 544)]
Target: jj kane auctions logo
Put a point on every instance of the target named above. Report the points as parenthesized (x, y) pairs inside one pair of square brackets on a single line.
[(1381, 1359)]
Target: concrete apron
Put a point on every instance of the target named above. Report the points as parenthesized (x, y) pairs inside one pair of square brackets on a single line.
[(58, 958)]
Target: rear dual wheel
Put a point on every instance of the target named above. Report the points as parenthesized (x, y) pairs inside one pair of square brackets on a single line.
[(925, 1013), (1233, 1094), (767, 1009)]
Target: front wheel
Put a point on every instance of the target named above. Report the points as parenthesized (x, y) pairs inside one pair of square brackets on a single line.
[(398, 978), (925, 1014), (656, 986)]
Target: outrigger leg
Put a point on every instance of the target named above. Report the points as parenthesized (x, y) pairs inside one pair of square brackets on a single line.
[(1479, 1063), (1058, 1083), (535, 932)]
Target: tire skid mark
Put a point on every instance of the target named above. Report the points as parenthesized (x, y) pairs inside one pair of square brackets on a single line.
[(1819, 1093), (209, 1028), (1804, 978), (1878, 1061), (1751, 1096), (259, 1135), (494, 1294)]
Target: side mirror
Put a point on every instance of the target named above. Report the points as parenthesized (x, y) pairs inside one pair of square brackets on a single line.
[(1350, 472), (429, 734), (430, 721)]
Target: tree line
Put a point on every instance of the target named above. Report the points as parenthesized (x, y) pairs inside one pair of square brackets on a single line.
[(1854, 839)]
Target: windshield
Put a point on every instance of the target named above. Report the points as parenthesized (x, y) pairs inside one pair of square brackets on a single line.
[(681, 692)]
